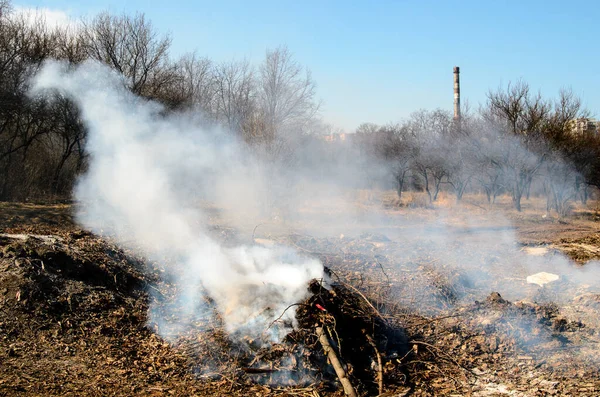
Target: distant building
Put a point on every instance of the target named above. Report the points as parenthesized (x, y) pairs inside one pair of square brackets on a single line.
[(334, 137), (585, 125)]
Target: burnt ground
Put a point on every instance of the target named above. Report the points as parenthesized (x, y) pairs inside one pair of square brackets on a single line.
[(73, 320)]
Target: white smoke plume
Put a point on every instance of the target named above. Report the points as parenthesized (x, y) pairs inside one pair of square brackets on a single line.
[(149, 171), (146, 176)]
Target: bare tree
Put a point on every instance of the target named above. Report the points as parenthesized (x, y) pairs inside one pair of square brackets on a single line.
[(560, 185), (234, 94), (67, 140), (286, 92), (461, 164), (520, 164), (5, 8), (430, 124), (566, 109), (516, 111), (431, 130), (71, 44), (195, 82), (367, 128), (24, 45), (396, 144), (508, 106), (487, 153), (131, 46)]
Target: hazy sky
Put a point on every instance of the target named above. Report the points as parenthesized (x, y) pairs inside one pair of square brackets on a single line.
[(378, 61)]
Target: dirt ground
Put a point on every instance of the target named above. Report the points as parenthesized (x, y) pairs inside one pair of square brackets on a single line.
[(74, 308)]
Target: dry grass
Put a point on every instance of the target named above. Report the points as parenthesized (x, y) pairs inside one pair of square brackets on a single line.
[(50, 217), (362, 211), (121, 354)]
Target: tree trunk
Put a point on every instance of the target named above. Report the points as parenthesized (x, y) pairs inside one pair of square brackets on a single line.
[(427, 186), (517, 201), (528, 182), (461, 191), (399, 189)]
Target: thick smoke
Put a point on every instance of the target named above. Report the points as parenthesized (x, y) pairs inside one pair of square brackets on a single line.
[(150, 174), (146, 175)]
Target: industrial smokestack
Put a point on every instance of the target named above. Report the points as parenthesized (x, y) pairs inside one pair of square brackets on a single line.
[(456, 93)]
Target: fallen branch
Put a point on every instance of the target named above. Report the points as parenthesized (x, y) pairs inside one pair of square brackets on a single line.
[(249, 370), (335, 362), (379, 365)]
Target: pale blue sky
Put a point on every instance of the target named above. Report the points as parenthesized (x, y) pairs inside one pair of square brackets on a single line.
[(378, 61)]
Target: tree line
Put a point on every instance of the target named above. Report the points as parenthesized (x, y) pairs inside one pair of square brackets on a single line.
[(42, 141), (517, 143)]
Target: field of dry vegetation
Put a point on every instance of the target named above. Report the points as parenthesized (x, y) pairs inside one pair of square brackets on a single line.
[(404, 317), (476, 275)]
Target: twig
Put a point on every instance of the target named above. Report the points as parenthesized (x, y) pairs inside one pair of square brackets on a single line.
[(306, 250), (337, 336), (279, 318), (379, 365), (444, 355), (254, 231), (432, 320), (441, 371), (335, 362), (154, 288), (382, 270), (231, 381), (478, 206), (407, 354), (249, 370), (365, 298)]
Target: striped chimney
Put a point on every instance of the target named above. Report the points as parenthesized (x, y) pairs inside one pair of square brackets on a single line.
[(456, 93)]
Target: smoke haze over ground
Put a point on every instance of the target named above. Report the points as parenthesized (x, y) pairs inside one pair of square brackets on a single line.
[(149, 171), (139, 186)]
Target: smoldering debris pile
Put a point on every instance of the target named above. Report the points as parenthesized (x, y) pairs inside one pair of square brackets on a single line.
[(373, 317), (88, 294), (340, 341), (74, 311)]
